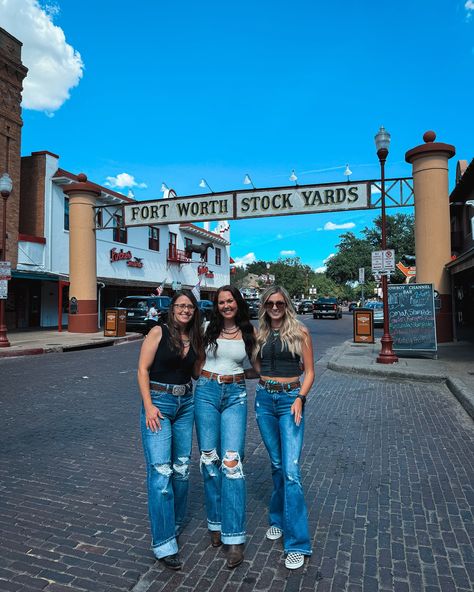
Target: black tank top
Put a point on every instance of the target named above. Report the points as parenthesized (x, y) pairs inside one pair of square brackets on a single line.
[(275, 362), (168, 366)]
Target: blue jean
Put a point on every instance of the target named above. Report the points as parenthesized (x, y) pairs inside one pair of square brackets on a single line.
[(167, 456), (283, 440), (221, 423)]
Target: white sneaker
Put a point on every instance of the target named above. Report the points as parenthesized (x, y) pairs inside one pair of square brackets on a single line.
[(274, 533), (294, 560)]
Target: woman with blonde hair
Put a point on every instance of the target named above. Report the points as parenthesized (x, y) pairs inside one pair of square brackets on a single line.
[(284, 351)]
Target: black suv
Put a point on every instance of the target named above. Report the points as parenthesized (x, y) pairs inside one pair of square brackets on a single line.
[(137, 309), (254, 307)]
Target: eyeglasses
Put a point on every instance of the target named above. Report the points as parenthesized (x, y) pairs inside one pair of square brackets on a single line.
[(280, 304), (185, 306)]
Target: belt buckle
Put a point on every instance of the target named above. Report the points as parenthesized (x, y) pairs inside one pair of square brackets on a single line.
[(179, 390), (219, 378)]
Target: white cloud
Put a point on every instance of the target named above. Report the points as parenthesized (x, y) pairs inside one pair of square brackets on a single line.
[(323, 268), (124, 180), (332, 226), (469, 6), (54, 66), (289, 253), (245, 260), (374, 190)]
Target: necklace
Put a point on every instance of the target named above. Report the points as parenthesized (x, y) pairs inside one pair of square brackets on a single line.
[(231, 331)]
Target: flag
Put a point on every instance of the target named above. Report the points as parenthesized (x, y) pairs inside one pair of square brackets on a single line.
[(197, 290), (159, 289)]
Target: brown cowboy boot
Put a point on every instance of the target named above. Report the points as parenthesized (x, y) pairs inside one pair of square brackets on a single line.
[(235, 555), (215, 538)]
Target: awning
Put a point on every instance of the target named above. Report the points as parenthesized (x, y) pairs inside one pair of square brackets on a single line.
[(44, 276), (462, 263)]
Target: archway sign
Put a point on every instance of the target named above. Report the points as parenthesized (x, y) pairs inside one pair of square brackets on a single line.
[(258, 203)]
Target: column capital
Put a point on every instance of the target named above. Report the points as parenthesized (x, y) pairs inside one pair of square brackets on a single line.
[(430, 148), (82, 186)]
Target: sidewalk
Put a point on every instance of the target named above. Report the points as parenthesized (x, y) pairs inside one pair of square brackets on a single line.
[(454, 367), (30, 343)]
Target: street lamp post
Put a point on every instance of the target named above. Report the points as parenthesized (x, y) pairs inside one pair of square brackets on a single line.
[(268, 274), (386, 355), (6, 187)]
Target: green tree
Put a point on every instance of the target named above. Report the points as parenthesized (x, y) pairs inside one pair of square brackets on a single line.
[(353, 253)]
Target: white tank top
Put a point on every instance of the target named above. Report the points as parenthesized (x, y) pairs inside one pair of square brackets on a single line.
[(228, 359)]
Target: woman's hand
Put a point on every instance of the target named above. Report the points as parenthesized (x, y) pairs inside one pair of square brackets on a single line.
[(153, 416), (297, 410)]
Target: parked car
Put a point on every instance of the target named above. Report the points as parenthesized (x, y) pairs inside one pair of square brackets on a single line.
[(377, 307), (137, 309), (205, 308), (305, 306), (327, 307), (254, 307)]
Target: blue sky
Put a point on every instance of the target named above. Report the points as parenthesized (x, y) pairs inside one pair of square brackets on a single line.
[(176, 91)]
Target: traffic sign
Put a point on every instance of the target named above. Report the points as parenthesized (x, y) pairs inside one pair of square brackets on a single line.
[(361, 275), (5, 270), (383, 261), (3, 289)]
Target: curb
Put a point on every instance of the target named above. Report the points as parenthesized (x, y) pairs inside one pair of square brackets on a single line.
[(462, 394), (13, 353)]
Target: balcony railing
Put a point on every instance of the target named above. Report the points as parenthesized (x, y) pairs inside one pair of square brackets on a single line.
[(177, 255)]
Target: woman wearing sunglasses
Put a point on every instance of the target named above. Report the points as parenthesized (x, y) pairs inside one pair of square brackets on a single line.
[(284, 349), (169, 358), (221, 418)]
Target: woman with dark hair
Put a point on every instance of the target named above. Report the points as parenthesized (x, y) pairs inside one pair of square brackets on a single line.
[(284, 351), (169, 358), (221, 418)]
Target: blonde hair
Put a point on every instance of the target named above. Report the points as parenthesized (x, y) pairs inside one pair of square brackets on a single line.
[(292, 334)]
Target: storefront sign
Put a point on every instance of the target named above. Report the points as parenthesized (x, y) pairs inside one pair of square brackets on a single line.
[(249, 204), (125, 256)]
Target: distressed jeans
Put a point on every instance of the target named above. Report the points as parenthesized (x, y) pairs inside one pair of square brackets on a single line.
[(167, 456), (283, 440), (221, 422)]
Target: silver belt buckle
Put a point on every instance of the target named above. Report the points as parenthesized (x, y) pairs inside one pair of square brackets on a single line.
[(179, 390), (219, 381)]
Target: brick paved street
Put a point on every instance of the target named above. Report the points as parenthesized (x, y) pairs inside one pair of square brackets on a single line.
[(387, 466)]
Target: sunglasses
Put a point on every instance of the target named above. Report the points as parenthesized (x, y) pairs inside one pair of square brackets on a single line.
[(185, 306), (280, 304)]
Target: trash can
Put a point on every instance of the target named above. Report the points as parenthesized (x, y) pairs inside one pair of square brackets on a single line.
[(115, 322), (363, 319)]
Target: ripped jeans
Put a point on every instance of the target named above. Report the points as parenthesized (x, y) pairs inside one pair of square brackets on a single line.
[(283, 440), (167, 455), (221, 422)]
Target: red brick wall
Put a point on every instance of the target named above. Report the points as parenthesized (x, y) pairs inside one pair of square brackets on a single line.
[(12, 73), (32, 194)]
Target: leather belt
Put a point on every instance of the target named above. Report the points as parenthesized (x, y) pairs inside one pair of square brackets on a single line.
[(223, 378), (271, 385), (178, 390)]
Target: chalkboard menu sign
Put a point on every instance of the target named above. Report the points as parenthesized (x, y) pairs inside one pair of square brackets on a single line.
[(411, 314)]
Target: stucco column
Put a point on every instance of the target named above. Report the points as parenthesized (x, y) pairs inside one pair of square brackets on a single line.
[(432, 223), (82, 256)]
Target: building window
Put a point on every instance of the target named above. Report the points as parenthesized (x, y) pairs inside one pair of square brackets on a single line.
[(187, 243), (98, 218), (66, 213), (172, 251), (218, 256), (120, 233), (153, 238)]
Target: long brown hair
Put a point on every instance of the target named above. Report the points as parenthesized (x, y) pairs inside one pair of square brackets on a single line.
[(194, 325)]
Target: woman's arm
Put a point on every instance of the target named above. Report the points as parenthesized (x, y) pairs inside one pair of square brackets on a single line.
[(308, 365), (147, 355), (254, 371)]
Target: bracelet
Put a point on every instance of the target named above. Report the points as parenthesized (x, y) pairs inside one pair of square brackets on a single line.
[(302, 398)]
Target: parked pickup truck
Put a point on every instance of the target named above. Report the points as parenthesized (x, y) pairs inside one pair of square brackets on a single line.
[(327, 307)]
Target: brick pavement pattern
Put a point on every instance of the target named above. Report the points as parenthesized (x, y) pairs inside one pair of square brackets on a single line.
[(387, 468)]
